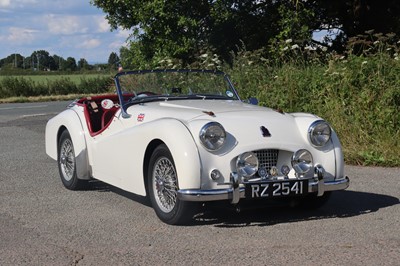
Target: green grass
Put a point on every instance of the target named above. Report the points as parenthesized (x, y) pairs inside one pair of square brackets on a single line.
[(76, 78), (50, 85)]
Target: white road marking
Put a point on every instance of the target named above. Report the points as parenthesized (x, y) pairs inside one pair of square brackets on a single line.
[(33, 115), (23, 107)]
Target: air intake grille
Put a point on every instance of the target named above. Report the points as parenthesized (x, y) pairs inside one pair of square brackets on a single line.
[(267, 158)]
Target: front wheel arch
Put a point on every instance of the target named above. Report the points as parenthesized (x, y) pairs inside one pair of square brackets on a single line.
[(82, 165), (149, 151)]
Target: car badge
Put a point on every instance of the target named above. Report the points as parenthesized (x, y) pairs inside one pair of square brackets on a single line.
[(262, 172), (265, 132), (140, 117)]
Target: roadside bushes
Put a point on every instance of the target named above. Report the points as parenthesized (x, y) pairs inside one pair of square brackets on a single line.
[(20, 86), (358, 94)]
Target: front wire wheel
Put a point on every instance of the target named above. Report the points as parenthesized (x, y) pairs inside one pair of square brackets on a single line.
[(67, 163), (163, 189), (165, 184)]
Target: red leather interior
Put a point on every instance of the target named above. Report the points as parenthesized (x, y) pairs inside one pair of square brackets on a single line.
[(97, 118)]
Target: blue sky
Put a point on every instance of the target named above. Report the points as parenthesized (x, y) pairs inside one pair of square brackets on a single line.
[(68, 28)]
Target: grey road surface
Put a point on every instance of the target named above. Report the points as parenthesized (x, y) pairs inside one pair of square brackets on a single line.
[(42, 223)]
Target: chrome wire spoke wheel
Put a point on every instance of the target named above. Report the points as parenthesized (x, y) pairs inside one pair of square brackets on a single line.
[(165, 184), (67, 159)]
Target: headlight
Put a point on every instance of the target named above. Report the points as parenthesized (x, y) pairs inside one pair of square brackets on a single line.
[(247, 164), (319, 133), (212, 136), (302, 161)]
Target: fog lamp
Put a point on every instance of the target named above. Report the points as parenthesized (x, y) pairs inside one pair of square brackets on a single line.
[(247, 164), (302, 161)]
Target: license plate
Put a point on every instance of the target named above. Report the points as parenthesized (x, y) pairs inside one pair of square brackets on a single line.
[(275, 189)]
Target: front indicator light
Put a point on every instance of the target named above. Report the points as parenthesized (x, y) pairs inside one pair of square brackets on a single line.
[(215, 175)]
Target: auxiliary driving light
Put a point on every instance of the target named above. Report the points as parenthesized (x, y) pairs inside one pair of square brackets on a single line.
[(302, 161), (247, 164)]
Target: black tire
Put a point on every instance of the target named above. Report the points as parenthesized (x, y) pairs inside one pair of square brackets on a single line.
[(163, 186), (313, 202), (67, 163)]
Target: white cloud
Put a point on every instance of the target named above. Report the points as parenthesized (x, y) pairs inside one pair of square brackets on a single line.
[(21, 35), (102, 24), (124, 34), (5, 3), (89, 44), (116, 45), (65, 25), (16, 3)]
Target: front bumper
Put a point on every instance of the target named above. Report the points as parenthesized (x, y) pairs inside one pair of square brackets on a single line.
[(237, 192)]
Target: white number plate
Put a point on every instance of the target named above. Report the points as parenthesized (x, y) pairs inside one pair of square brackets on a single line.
[(274, 189)]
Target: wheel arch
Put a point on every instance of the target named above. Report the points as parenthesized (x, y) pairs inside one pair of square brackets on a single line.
[(149, 151), (68, 120), (183, 149)]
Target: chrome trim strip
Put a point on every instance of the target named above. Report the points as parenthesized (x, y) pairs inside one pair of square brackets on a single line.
[(208, 195), (228, 194)]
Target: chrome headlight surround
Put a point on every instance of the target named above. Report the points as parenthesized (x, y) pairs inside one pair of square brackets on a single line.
[(212, 136), (302, 161), (247, 164), (319, 133)]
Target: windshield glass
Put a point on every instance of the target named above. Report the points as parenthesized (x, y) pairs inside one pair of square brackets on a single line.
[(143, 86)]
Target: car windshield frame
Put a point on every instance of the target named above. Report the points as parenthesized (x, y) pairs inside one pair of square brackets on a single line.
[(131, 97)]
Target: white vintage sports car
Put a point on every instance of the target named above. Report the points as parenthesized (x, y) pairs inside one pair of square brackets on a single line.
[(183, 137)]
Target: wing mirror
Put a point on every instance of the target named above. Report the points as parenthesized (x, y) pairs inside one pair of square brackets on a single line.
[(252, 100)]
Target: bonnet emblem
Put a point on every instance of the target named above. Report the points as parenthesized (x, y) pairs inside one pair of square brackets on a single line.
[(265, 132)]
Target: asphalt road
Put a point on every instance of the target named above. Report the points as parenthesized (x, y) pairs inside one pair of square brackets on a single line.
[(41, 223)]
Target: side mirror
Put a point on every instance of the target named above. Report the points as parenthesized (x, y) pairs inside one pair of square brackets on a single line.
[(253, 101)]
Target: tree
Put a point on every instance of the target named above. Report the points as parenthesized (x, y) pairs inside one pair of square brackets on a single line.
[(113, 60), (355, 17), (13, 60), (41, 60), (83, 64), (69, 64), (183, 29), (59, 61)]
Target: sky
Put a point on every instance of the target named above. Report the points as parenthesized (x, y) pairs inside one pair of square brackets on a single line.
[(67, 28)]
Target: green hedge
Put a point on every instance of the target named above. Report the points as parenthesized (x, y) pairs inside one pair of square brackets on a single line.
[(17, 86)]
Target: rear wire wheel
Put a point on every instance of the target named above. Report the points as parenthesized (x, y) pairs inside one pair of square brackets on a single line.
[(67, 163), (163, 189)]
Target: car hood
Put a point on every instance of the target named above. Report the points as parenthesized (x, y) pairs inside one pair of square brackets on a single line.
[(247, 123)]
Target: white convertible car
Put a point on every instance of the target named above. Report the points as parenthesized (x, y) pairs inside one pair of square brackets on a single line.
[(182, 137)]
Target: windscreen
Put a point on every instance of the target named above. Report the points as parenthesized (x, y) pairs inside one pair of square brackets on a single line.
[(175, 85)]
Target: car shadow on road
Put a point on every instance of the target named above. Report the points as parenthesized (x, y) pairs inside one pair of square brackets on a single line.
[(100, 186), (342, 204)]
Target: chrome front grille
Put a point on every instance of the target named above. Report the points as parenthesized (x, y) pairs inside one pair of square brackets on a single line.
[(267, 159)]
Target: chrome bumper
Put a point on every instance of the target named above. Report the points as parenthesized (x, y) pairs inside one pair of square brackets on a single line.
[(236, 192)]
